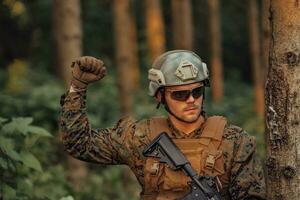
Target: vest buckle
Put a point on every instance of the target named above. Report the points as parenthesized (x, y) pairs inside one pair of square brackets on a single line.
[(154, 168), (210, 161)]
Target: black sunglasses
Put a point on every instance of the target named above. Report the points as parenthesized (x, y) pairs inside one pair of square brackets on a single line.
[(183, 95)]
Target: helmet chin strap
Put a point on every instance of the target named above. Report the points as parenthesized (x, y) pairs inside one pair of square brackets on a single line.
[(164, 102)]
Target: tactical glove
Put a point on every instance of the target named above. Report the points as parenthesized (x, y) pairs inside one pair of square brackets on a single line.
[(86, 70)]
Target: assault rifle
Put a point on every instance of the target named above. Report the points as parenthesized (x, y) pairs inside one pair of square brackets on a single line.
[(202, 187)]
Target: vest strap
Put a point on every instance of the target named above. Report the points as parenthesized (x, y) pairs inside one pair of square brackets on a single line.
[(214, 128), (158, 125)]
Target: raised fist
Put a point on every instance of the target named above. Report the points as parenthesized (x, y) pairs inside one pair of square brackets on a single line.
[(87, 69)]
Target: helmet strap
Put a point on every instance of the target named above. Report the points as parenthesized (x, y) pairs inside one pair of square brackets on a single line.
[(203, 113), (158, 105)]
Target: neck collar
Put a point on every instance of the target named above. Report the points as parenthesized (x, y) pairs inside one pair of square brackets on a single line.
[(176, 133)]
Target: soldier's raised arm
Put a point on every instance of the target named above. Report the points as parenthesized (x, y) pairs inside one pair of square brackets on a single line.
[(79, 139)]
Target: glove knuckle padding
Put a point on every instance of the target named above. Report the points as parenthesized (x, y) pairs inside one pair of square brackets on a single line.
[(93, 69), (101, 72), (87, 69), (86, 60), (97, 70), (89, 62), (79, 62), (73, 64)]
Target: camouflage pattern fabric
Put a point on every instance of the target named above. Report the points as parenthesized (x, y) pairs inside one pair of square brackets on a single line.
[(124, 143)]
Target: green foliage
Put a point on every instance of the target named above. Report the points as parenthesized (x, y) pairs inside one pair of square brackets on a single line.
[(67, 198), (22, 174), (103, 102), (108, 184), (16, 157), (41, 100)]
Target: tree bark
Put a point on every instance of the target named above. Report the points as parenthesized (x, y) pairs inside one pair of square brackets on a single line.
[(67, 38), (124, 51), (283, 102), (257, 70), (155, 28), (134, 54), (266, 36), (67, 35), (182, 24), (215, 49)]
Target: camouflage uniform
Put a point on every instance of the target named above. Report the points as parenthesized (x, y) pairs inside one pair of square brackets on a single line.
[(124, 143)]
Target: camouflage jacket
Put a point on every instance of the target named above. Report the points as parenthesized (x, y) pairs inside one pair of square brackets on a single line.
[(124, 142)]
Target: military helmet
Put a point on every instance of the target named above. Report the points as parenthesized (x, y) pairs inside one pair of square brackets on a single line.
[(177, 67)]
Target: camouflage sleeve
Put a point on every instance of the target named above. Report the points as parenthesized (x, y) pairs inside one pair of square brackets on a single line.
[(81, 141), (247, 177)]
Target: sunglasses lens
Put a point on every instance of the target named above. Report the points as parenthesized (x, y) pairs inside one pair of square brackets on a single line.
[(180, 95), (198, 92), (183, 95)]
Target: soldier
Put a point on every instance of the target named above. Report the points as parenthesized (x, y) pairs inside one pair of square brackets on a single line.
[(212, 145)]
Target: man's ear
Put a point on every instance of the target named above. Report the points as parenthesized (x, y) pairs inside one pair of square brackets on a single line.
[(158, 96)]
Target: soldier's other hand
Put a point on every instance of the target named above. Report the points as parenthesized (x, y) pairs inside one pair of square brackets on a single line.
[(87, 69)]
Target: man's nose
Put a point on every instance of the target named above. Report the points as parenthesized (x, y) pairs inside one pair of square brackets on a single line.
[(190, 99)]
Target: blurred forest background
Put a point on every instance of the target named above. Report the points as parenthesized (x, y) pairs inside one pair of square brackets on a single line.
[(38, 41)]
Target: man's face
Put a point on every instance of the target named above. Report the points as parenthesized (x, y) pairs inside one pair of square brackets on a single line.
[(187, 110)]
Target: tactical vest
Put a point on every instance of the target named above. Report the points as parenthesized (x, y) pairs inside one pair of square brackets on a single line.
[(162, 183)]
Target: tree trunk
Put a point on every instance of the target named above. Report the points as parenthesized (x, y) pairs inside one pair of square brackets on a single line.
[(67, 35), (134, 54), (182, 24), (257, 71), (283, 102), (266, 36), (155, 28), (125, 53), (67, 38), (216, 49)]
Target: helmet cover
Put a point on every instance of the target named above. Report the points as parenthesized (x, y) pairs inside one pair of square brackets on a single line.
[(177, 67)]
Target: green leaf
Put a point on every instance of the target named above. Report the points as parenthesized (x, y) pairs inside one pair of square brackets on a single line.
[(2, 120), (7, 146), (14, 155), (30, 161), (3, 164), (23, 120), (19, 125), (25, 186), (67, 198), (9, 192), (30, 140), (38, 131), (22, 125)]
